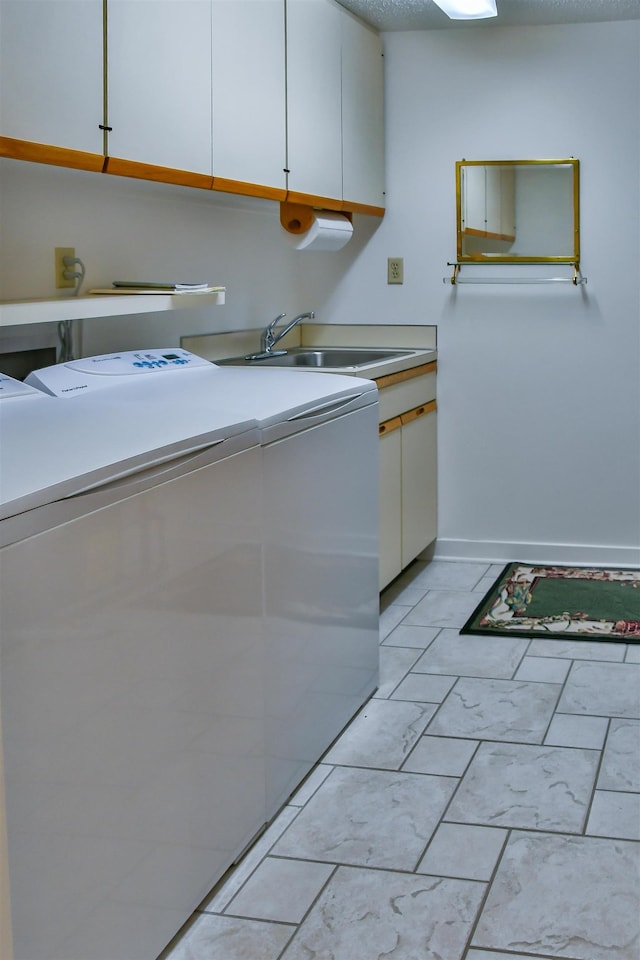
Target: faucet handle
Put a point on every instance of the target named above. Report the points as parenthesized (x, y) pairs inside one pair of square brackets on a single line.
[(273, 322), (268, 334)]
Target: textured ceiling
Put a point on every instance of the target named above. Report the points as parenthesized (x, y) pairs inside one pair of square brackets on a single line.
[(425, 15)]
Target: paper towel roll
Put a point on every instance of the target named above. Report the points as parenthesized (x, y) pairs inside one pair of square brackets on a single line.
[(328, 231)]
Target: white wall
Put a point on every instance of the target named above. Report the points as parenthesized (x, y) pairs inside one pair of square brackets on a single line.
[(539, 397), (129, 229)]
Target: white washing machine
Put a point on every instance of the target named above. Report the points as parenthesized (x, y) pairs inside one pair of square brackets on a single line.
[(131, 658), (319, 509), (152, 504)]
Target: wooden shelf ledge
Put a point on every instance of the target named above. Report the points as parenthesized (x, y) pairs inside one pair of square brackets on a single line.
[(96, 163)]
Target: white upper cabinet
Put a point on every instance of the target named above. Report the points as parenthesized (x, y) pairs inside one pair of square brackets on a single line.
[(51, 72), (159, 89), (314, 98), (362, 114), (335, 94), (263, 96), (249, 117)]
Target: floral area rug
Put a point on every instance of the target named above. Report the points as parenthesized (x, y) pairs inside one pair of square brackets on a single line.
[(568, 602)]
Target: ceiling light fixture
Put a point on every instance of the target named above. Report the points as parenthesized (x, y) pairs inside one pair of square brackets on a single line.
[(468, 9)]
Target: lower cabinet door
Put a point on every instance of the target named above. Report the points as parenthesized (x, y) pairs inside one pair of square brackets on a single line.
[(419, 480), (390, 447)]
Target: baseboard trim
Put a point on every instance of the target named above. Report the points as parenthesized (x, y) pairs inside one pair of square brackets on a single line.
[(495, 551)]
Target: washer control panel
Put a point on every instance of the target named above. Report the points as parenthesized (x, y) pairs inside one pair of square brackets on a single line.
[(107, 370), (131, 362)]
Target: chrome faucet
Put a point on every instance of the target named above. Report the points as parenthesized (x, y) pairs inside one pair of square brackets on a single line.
[(270, 337)]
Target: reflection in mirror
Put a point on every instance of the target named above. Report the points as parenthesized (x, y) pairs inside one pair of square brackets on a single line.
[(518, 211)]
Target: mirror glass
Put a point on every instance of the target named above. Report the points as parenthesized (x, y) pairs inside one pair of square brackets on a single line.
[(518, 211)]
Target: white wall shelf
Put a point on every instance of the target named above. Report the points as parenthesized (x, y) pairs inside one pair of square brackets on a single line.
[(19, 312)]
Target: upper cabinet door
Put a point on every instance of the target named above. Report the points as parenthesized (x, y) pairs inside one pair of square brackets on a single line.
[(51, 72), (362, 114), (314, 99), (249, 116), (159, 82)]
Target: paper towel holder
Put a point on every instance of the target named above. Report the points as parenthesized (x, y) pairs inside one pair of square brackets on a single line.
[(298, 217)]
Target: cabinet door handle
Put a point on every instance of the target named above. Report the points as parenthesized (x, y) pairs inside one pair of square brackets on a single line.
[(389, 425), (420, 411)]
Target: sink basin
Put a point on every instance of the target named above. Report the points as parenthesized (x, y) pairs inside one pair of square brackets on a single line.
[(323, 358)]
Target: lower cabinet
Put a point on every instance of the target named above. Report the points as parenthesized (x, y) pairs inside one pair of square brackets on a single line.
[(408, 487), (390, 500)]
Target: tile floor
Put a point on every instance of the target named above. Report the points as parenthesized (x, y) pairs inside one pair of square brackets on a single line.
[(485, 804)]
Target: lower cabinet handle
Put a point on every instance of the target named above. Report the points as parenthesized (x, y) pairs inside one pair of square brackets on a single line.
[(389, 425), (420, 411)]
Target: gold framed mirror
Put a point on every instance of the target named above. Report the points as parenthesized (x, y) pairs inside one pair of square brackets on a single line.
[(518, 211)]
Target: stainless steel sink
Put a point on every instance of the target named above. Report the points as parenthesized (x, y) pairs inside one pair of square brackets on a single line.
[(323, 358)]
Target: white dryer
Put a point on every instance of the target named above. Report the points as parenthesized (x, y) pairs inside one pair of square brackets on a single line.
[(319, 435)]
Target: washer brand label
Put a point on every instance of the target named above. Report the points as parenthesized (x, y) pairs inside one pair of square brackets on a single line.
[(83, 386)]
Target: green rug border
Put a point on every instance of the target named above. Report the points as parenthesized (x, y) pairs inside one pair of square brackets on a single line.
[(488, 598)]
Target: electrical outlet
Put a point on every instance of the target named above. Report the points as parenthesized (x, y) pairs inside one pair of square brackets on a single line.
[(395, 270), (61, 280)]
